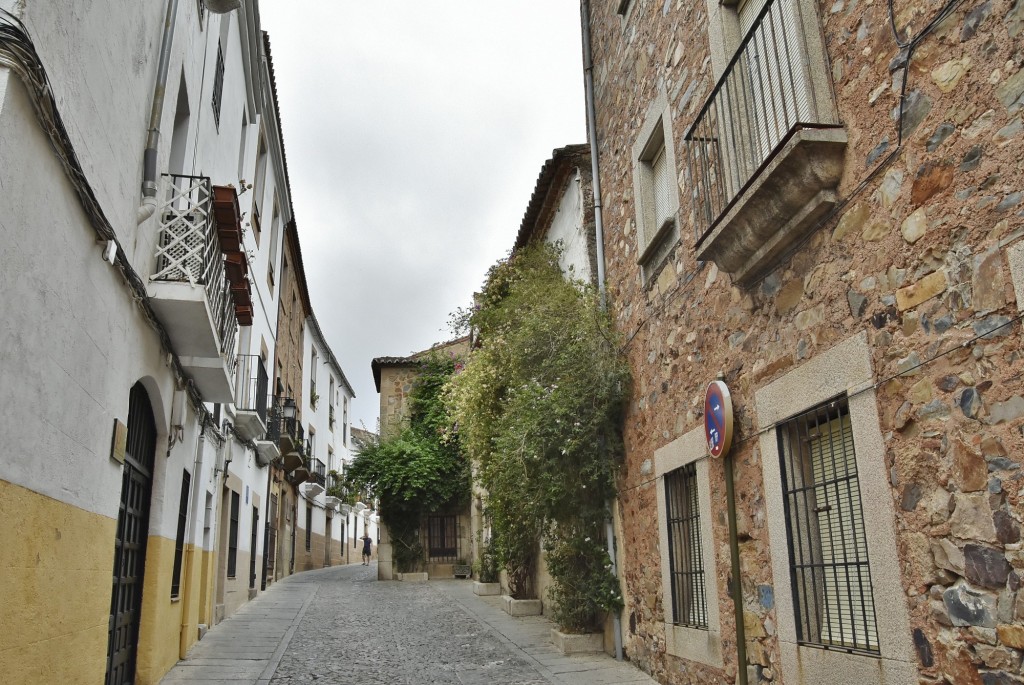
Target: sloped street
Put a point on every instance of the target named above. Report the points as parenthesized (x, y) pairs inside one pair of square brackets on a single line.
[(341, 625)]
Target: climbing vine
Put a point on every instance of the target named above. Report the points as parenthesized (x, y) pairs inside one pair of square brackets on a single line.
[(539, 409), (419, 470)]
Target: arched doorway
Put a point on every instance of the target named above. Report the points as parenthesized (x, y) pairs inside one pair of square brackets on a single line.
[(130, 543)]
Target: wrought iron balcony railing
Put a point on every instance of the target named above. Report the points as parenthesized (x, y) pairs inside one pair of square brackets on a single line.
[(274, 418), (318, 472), (251, 385), (188, 249), (765, 93)]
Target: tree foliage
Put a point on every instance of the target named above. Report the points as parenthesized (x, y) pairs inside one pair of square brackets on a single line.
[(418, 470), (539, 409)]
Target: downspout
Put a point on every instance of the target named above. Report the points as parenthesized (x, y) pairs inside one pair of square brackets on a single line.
[(149, 185), (736, 590), (186, 590), (588, 80)]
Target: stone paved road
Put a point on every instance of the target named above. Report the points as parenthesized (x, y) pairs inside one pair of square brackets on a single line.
[(340, 625)]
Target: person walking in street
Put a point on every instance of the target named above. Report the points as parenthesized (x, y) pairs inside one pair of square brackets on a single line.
[(366, 549)]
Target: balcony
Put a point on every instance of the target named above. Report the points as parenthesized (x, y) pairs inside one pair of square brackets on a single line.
[(317, 481), (189, 289), (303, 471), (269, 448), (766, 150), (335, 490), (293, 441), (250, 397)]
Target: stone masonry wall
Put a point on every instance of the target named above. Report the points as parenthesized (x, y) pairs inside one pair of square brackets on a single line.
[(919, 257)]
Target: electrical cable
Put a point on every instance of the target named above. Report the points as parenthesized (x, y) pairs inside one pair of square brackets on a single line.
[(18, 53), (737, 440)]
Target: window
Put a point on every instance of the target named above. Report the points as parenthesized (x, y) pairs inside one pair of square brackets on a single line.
[(233, 537), (689, 605), (312, 443), (218, 85), (257, 187), (243, 143), (275, 231), (655, 189), (623, 7), (312, 378), (809, 421), (271, 551), (442, 538), (766, 147), (252, 546), (688, 570), (309, 527), (828, 547), (179, 540)]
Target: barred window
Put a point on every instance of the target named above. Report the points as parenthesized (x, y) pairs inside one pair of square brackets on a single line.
[(686, 555), (309, 527), (179, 540), (233, 536), (442, 538), (828, 548)]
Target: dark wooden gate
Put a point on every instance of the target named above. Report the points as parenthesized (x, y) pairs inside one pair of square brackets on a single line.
[(130, 544)]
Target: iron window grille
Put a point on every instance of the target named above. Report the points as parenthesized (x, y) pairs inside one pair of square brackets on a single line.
[(271, 551), (233, 537), (443, 538), (218, 85), (686, 552), (179, 540), (828, 548), (252, 547), (309, 528)]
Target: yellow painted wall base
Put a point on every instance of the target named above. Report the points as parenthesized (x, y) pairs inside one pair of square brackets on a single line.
[(56, 567), (160, 626)]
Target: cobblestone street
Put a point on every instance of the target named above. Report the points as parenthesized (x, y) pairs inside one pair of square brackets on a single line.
[(340, 625)]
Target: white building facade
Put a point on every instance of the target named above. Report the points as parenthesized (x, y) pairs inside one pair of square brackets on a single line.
[(143, 200)]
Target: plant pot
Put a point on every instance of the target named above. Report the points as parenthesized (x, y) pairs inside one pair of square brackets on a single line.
[(521, 607), (486, 589), (571, 643)]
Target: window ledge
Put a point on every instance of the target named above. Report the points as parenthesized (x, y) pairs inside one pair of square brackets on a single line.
[(780, 205), (694, 644)]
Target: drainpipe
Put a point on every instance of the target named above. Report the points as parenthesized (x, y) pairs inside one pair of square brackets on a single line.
[(149, 186), (185, 587), (588, 79), (736, 589)]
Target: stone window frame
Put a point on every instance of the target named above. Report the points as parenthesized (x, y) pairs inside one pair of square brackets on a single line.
[(844, 369), (702, 645), (655, 236)]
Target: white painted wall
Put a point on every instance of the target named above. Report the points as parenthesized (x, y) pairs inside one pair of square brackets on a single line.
[(73, 341), (567, 227)]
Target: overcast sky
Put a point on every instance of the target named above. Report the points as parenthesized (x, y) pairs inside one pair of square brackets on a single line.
[(415, 131)]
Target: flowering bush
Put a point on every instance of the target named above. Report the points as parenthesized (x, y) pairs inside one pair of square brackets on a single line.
[(584, 586), (539, 409)]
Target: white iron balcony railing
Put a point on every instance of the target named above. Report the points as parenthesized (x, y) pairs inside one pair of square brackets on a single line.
[(188, 250), (766, 93)]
